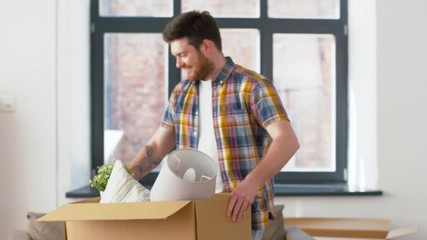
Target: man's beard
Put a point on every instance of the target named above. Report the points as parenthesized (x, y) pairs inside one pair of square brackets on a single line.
[(201, 70)]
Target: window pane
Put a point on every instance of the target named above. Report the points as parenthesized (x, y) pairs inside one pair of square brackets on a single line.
[(304, 74), (135, 8), (134, 80), (224, 8), (245, 53), (320, 9)]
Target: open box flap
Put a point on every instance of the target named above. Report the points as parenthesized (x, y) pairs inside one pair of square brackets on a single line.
[(401, 232), (342, 227), (115, 211)]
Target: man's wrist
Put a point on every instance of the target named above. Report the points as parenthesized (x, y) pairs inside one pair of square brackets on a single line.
[(147, 162), (254, 179)]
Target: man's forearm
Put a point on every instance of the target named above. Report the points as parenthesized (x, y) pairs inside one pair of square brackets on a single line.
[(276, 158), (152, 154), (278, 154), (283, 147), (147, 162)]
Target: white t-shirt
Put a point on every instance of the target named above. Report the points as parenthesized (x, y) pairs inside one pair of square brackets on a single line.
[(207, 141)]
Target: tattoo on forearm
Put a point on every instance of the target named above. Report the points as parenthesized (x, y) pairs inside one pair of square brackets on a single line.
[(147, 163)]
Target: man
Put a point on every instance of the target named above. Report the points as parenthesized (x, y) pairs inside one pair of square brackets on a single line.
[(231, 113)]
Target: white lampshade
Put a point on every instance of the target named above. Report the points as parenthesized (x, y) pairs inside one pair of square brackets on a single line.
[(187, 175)]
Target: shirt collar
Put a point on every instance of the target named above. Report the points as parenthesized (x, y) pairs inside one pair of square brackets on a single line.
[(225, 72)]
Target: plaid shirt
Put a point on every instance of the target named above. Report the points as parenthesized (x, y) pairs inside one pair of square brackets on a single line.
[(244, 103)]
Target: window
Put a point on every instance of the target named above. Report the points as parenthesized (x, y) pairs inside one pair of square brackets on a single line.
[(300, 45)]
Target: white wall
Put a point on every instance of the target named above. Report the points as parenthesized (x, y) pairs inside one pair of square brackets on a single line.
[(28, 171), (51, 122), (73, 95), (362, 81), (401, 82)]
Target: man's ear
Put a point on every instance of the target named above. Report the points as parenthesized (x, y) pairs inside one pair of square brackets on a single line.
[(207, 46)]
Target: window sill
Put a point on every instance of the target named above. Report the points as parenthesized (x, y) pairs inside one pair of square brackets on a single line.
[(342, 189), (83, 192), (281, 190)]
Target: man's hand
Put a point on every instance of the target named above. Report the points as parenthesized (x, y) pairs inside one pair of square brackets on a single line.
[(283, 146), (241, 199)]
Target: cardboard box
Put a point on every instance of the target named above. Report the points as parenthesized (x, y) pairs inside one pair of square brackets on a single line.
[(355, 228), (186, 220)]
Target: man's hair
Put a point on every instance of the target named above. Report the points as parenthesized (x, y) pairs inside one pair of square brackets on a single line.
[(194, 25)]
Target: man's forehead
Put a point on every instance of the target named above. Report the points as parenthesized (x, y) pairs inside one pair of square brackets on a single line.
[(180, 45)]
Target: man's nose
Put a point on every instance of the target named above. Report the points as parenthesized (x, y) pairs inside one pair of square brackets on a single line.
[(179, 63)]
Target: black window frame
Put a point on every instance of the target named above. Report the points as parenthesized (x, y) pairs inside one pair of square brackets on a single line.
[(101, 25)]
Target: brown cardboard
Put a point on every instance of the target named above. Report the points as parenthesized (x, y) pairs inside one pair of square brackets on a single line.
[(186, 220), (360, 228)]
